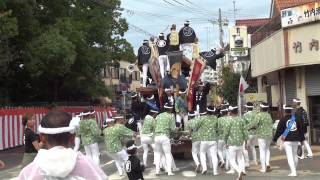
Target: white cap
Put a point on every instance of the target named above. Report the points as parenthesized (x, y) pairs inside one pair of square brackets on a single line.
[(187, 22)]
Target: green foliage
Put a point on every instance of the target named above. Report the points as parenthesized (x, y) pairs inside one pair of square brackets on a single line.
[(51, 55), (230, 86), (64, 45)]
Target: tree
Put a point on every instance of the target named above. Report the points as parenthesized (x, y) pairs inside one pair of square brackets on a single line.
[(50, 55), (64, 45), (229, 88), (8, 29)]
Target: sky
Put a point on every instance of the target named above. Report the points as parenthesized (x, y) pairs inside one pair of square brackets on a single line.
[(156, 16)]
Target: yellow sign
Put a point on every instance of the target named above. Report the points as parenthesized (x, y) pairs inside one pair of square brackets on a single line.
[(256, 97)]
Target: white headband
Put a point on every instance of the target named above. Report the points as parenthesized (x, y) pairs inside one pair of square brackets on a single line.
[(87, 113), (135, 95), (118, 117), (109, 120), (223, 110), (168, 107), (132, 147), (154, 111), (201, 84), (297, 100), (74, 123), (211, 110), (225, 104), (150, 98), (248, 106), (191, 114), (287, 108), (167, 89), (203, 113), (232, 108), (263, 106), (183, 92)]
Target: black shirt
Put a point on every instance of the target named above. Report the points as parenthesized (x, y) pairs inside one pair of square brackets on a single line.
[(302, 114), (29, 137), (144, 54), (134, 169), (186, 35), (295, 133), (162, 46)]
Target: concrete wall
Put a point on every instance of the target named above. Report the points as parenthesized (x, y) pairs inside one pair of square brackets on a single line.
[(304, 34), (268, 55)]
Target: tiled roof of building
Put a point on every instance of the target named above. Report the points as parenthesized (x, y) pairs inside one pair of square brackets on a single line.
[(283, 4), (252, 22)]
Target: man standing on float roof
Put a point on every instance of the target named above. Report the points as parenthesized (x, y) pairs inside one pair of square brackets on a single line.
[(163, 58), (144, 55), (187, 38)]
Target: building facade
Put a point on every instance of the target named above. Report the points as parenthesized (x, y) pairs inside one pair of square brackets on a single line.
[(286, 63)]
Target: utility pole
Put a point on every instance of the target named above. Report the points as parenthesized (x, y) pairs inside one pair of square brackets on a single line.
[(220, 29)]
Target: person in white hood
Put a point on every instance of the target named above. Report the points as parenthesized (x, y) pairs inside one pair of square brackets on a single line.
[(59, 160)]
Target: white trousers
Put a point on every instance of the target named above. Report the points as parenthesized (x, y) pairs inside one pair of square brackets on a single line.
[(187, 49), (164, 65), (92, 151), (236, 158), (307, 146), (221, 150), (291, 148), (145, 68), (264, 149), (195, 152), (162, 144), (77, 143), (182, 117), (251, 143), (120, 158), (146, 140), (212, 147)]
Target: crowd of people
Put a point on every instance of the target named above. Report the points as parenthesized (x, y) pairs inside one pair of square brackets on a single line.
[(221, 139)]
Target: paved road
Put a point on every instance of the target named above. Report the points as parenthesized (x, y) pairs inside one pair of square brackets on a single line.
[(308, 168)]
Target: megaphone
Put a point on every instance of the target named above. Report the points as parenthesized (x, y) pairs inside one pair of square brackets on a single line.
[(130, 68)]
